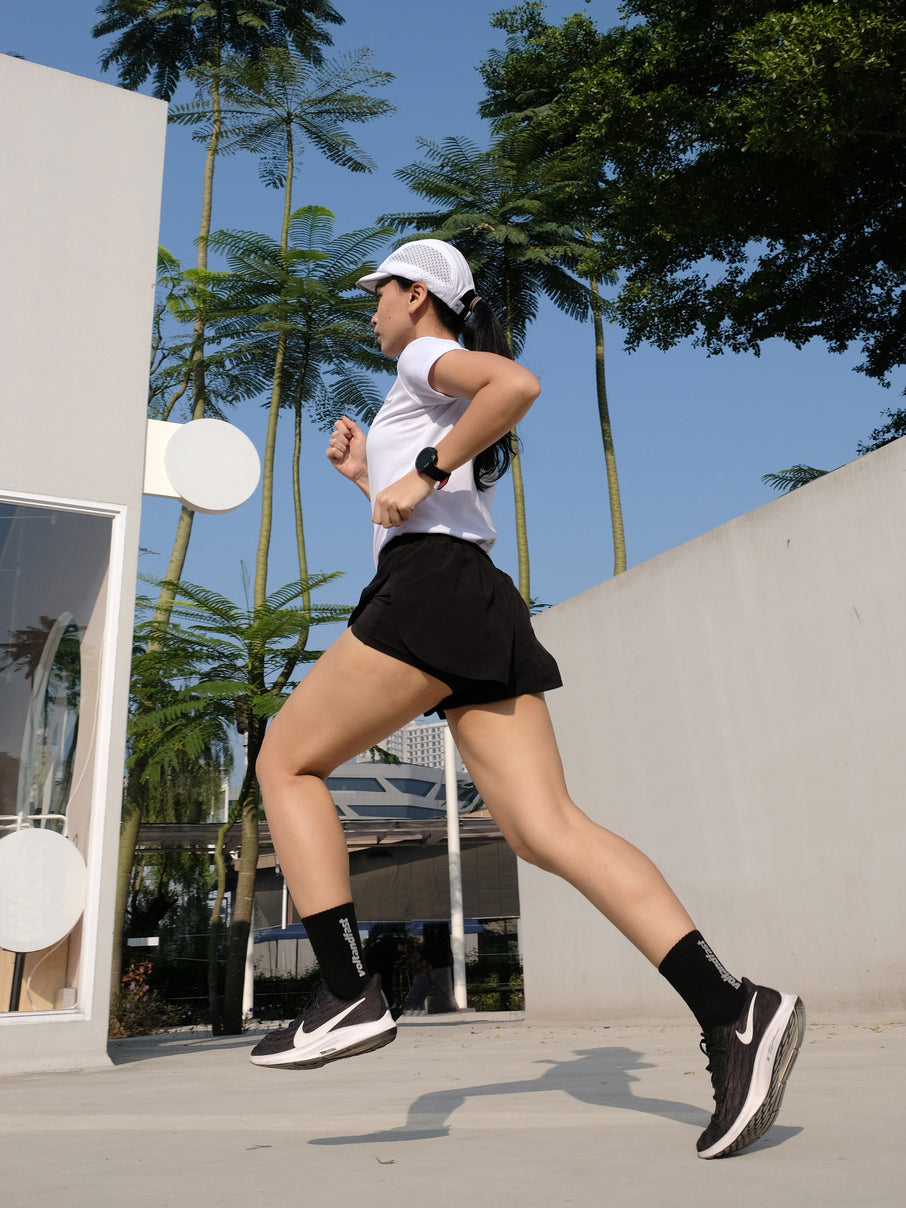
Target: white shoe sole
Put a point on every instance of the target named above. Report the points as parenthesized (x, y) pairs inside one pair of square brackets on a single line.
[(344, 1042), (776, 1054)]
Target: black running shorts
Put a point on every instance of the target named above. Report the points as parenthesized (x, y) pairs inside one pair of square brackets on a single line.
[(440, 604)]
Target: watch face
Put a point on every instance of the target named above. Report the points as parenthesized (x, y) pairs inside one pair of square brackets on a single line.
[(426, 463)]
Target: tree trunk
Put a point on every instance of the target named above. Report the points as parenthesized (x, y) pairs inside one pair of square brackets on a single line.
[(184, 525), (270, 443), (244, 900), (199, 386), (610, 460), (215, 1012), (297, 511), (244, 903), (521, 530), (132, 820), (522, 549)]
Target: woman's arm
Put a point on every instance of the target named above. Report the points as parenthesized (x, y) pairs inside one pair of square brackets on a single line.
[(500, 393), (346, 453)]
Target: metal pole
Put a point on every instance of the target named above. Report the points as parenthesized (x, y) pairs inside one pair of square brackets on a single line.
[(16, 988), (457, 928), (248, 981)]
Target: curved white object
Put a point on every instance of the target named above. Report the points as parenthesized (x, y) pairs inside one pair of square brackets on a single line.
[(207, 464), (43, 882)]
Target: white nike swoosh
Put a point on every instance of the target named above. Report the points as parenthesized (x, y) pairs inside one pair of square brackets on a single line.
[(325, 1027), (746, 1036)]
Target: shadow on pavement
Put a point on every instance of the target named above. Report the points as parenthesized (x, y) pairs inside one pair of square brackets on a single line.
[(600, 1077), (149, 1048)]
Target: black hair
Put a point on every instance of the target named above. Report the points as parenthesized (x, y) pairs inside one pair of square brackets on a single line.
[(479, 330)]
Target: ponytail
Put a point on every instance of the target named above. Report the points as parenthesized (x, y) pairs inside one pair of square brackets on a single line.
[(479, 330)]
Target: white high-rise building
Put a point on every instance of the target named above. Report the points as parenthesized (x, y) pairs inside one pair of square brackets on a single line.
[(419, 743)]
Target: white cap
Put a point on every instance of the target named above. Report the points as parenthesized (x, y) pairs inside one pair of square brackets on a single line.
[(439, 265)]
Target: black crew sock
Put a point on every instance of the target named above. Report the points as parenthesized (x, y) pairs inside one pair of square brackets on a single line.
[(334, 936), (713, 995)]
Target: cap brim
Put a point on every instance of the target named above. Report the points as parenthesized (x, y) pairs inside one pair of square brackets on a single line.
[(371, 282)]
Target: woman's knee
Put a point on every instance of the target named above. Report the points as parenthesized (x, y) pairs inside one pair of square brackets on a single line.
[(276, 764), (551, 839), (537, 846)]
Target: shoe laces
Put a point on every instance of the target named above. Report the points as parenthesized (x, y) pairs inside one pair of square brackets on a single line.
[(714, 1046), (313, 998)]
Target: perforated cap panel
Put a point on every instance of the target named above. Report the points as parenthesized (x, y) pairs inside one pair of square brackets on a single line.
[(426, 258), (439, 265)]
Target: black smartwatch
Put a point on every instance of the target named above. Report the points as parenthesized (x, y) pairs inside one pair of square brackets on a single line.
[(426, 463)]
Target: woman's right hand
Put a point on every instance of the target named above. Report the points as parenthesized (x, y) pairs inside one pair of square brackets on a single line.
[(346, 452)]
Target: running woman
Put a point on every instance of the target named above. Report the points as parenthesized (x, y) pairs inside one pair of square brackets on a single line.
[(441, 629)]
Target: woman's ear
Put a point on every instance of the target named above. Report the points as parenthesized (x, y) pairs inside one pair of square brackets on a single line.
[(418, 296)]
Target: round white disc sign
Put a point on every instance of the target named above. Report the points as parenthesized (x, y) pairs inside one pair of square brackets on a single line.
[(212, 466), (43, 882)]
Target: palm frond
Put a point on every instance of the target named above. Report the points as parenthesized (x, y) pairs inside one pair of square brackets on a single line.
[(793, 478)]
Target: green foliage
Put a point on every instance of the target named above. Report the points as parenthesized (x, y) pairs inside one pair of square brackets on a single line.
[(793, 478), (265, 103), (219, 659), (165, 38), (750, 163), (279, 996), (494, 206), (494, 982), (139, 1010), (183, 304), (305, 294), (886, 433)]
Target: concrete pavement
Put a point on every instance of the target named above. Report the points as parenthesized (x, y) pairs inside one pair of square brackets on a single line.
[(480, 1109)]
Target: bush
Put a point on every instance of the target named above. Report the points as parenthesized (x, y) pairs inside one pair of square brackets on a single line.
[(279, 997), (494, 982), (141, 1011)]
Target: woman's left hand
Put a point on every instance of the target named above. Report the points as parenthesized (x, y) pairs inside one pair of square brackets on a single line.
[(396, 503)]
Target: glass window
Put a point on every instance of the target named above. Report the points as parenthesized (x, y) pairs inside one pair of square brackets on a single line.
[(405, 784), (355, 784), (53, 592), (392, 811)]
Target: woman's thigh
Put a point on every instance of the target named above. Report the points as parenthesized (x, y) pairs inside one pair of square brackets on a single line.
[(352, 698), (511, 752)]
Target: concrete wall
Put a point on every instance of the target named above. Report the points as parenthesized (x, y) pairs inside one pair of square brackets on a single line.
[(735, 708), (81, 165)]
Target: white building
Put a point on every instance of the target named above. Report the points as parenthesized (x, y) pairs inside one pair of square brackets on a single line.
[(388, 790), (82, 165), (420, 743)]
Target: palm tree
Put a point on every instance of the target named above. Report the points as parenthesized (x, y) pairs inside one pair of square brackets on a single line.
[(173, 772), (793, 478), (289, 318), (594, 266), (491, 206), (292, 314), (165, 40), (266, 104), (224, 660), (523, 83), (212, 42)]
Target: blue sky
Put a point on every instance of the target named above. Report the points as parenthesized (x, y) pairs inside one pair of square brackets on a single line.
[(693, 434)]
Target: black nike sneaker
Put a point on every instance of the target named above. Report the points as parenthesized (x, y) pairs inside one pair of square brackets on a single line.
[(749, 1062), (329, 1028)]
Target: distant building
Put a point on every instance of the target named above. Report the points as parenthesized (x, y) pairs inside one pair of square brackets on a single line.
[(420, 743), (389, 790)]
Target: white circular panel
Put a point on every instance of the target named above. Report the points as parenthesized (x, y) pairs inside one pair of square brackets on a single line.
[(212, 466), (43, 881)]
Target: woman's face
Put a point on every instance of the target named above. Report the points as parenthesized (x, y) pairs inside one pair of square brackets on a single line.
[(392, 321)]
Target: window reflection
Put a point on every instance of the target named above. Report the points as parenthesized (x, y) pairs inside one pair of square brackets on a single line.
[(53, 575)]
